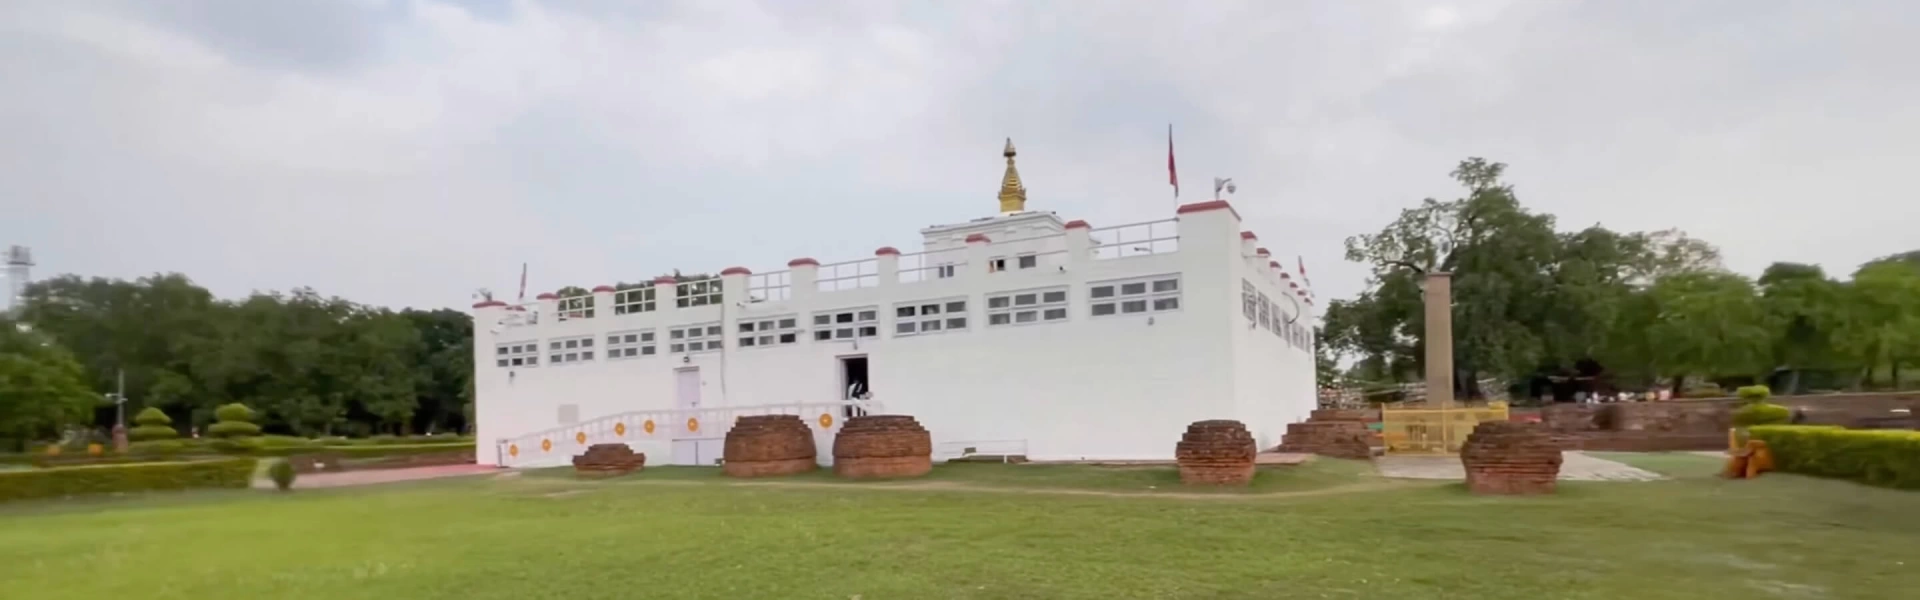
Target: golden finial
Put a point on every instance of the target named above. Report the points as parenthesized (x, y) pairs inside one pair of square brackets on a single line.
[(1013, 194)]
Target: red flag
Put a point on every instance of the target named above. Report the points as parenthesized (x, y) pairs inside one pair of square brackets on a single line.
[(1173, 176), (523, 282)]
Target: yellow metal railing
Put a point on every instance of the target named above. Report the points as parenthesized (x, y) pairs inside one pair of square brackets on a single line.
[(1434, 430)]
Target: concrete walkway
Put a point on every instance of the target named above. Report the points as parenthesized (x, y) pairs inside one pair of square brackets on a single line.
[(1576, 466), (351, 478)]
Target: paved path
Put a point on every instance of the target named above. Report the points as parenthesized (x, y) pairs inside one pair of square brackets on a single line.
[(349, 478), (1577, 466)]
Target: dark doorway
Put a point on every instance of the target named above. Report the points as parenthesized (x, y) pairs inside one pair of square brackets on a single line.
[(854, 384)]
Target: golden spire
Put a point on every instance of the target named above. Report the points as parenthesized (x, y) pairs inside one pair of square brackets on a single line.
[(1013, 195)]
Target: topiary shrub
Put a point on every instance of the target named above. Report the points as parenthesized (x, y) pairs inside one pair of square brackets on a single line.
[(1762, 413), (1754, 394), (282, 474), (1888, 458), (153, 424), (136, 477), (235, 420), (235, 445)]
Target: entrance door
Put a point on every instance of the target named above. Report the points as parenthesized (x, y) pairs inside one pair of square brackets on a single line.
[(687, 446), (855, 384)]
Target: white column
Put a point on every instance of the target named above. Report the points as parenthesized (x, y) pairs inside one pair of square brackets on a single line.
[(1079, 242), (977, 247), (663, 290), (804, 275), (602, 305)]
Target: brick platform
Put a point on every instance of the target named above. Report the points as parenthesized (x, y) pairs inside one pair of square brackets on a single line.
[(882, 446), (768, 445), (1216, 453), (1503, 457), (608, 460), (1337, 439)]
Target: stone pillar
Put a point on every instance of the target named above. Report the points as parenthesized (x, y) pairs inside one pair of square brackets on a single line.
[(803, 274), (1438, 294)]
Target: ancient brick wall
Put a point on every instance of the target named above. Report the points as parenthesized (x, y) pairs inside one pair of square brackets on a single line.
[(606, 460), (1218, 452), (768, 445), (1503, 457), (882, 446)]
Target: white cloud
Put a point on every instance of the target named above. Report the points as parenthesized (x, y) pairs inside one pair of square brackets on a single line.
[(405, 152)]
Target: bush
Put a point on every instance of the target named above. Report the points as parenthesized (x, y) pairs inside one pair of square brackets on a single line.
[(1889, 458), (286, 441), (234, 421), (231, 429), (152, 416), (375, 451), (158, 447), (1754, 394), (138, 477), (235, 445), (1762, 413), (282, 474)]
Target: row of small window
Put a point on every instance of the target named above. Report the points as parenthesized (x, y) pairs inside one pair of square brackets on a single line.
[(1157, 294)]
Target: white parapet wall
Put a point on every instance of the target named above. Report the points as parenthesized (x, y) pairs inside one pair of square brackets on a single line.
[(1070, 341)]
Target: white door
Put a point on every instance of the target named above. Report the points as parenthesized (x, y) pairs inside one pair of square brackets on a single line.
[(686, 449)]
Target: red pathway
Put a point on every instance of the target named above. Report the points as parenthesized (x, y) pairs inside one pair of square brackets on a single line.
[(350, 478)]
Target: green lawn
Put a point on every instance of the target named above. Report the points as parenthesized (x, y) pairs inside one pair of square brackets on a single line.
[(1323, 530)]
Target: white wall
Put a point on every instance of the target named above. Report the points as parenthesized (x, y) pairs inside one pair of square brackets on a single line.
[(1111, 387)]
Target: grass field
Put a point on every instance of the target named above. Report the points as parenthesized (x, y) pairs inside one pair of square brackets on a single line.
[(1323, 530)]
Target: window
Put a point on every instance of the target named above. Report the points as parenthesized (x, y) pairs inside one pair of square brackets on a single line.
[(697, 293), (944, 271), (1028, 306), (634, 300), (517, 354), (929, 316), (1266, 312), (1028, 261), (704, 337), (776, 331), (629, 344), (1159, 293), (846, 324), (576, 307), (770, 287), (997, 264), (570, 350), (1247, 299)]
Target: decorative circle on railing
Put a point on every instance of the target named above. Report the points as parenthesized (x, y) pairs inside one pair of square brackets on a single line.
[(513, 450), (826, 420), (647, 426), (580, 438), (620, 429), (546, 445), (693, 424)]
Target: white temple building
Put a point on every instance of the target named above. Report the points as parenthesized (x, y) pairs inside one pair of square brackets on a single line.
[(1017, 334)]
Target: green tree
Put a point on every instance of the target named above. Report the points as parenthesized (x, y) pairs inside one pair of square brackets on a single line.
[(1708, 323), (42, 387), (1879, 319), (1802, 303)]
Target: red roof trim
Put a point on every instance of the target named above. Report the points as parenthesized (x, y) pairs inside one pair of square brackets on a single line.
[(1078, 224), (547, 296), (736, 271), (978, 237), (488, 304), (602, 288), (664, 280), (1262, 252), (1245, 235), (803, 262), (886, 250), (1206, 206)]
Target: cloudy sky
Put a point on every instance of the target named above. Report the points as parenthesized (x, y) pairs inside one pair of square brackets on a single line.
[(405, 152)]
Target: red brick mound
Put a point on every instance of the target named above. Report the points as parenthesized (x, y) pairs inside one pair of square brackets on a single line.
[(1338, 439), (768, 445), (1216, 453), (1503, 457), (882, 446), (608, 460)]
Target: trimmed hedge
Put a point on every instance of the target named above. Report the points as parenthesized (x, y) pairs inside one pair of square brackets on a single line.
[(139, 477), (1762, 413), (1889, 458)]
